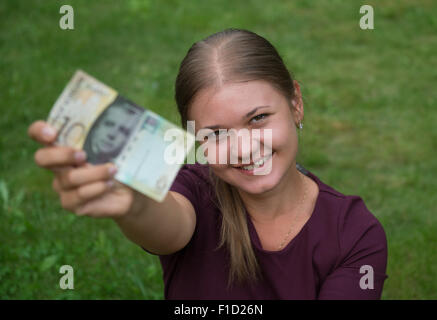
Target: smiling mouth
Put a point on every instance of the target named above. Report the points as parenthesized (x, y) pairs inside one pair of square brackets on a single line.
[(255, 165)]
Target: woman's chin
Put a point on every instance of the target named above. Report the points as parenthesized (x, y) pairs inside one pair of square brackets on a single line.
[(257, 188), (256, 184)]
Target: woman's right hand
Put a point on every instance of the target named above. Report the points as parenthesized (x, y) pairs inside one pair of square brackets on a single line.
[(83, 188)]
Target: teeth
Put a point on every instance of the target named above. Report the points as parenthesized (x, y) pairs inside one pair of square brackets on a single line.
[(257, 164)]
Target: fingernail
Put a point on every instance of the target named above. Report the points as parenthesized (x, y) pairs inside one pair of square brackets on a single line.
[(112, 170), (79, 155), (48, 132), (110, 183)]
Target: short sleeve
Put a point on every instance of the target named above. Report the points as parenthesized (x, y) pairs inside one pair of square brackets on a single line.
[(360, 271), (187, 183)]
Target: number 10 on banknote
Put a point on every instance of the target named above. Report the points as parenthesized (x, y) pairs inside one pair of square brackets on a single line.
[(147, 149)]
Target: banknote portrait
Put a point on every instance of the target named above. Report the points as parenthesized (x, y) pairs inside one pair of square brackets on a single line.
[(111, 130)]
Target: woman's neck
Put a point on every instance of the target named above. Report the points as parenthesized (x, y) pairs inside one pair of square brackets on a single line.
[(284, 198)]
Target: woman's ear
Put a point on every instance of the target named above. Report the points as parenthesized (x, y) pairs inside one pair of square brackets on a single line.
[(297, 103)]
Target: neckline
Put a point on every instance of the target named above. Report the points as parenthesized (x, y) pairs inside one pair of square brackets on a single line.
[(256, 242)]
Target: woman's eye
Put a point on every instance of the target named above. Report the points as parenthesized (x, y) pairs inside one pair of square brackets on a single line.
[(218, 134), (259, 117)]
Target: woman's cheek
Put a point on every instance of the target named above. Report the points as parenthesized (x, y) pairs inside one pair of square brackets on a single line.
[(284, 136), (268, 141), (216, 153)]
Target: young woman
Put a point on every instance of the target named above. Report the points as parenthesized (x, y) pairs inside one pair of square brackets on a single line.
[(223, 232)]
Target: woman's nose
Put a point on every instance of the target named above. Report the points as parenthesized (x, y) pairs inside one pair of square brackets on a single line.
[(240, 147), (252, 146)]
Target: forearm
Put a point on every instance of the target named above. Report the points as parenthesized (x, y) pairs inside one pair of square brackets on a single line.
[(157, 227)]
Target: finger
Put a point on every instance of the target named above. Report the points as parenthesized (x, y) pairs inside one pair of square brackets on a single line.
[(57, 156), (104, 206), (72, 199), (41, 132), (58, 169), (56, 186), (95, 208), (87, 174)]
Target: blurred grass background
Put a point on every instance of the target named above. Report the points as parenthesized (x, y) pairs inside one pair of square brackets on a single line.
[(370, 117)]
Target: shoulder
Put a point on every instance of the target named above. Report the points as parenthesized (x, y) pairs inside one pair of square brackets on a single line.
[(198, 172), (346, 210), (194, 182), (354, 226), (195, 176)]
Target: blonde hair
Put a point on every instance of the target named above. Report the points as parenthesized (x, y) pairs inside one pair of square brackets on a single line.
[(232, 55)]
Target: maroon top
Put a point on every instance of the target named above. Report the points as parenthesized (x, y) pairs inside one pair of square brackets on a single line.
[(323, 261)]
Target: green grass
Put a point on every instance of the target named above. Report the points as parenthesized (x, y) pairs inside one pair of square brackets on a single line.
[(369, 124)]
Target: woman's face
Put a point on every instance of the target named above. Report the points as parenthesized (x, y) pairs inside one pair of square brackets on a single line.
[(232, 106)]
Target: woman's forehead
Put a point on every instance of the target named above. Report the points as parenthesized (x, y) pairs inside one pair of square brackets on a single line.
[(231, 101)]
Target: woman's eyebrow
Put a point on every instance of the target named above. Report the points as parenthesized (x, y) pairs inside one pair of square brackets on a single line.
[(247, 115), (217, 126), (253, 111)]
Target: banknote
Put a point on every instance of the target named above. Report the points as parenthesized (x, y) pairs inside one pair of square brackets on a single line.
[(147, 149)]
